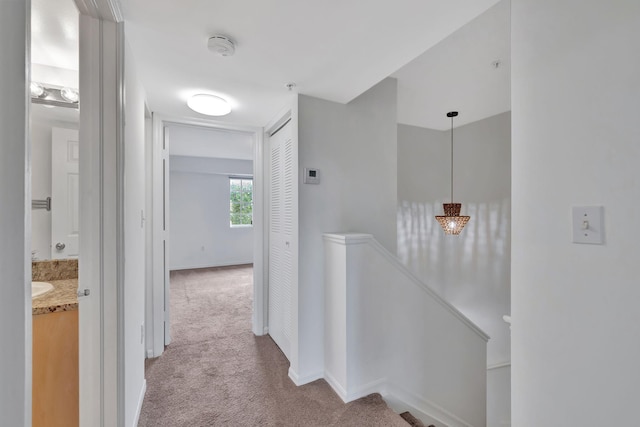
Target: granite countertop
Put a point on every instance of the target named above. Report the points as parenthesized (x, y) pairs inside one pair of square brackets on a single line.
[(63, 297)]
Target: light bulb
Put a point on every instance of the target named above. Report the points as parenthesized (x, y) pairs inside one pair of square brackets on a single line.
[(36, 89), (452, 225), (70, 95)]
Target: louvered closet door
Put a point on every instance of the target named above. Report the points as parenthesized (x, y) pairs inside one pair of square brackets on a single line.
[(282, 237)]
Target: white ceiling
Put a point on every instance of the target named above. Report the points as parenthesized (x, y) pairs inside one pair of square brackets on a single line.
[(197, 141), (54, 34), (457, 74), (334, 49)]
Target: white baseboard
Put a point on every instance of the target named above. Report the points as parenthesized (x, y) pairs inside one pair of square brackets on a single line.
[(399, 400), (336, 386), (420, 407), (150, 353), (376, 386), (140, 400), (211, 265), (298, 380)]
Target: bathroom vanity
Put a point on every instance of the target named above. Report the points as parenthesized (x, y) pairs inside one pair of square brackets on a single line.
[(55, 393)]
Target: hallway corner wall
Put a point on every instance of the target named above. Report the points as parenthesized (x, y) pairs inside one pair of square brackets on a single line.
[(354, 146)]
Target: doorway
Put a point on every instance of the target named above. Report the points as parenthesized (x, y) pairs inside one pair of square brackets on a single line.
[(198, 166), (55, 147)]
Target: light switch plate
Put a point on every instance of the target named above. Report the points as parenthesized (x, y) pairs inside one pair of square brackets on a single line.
[(588, 224)]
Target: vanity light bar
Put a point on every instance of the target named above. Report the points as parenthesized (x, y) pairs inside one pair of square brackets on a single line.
[(55, 96)]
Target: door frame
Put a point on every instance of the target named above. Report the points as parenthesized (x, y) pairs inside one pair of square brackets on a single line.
[(156, 335), (101, 386), (288, 113), (101, 258)]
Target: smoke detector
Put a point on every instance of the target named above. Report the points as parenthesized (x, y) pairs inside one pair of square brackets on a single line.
[(222, 45)]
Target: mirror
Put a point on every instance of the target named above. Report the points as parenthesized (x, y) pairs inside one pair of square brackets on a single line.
[(54, 129)]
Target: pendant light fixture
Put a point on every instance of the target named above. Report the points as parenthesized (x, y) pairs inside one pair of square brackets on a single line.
[(452, 222)]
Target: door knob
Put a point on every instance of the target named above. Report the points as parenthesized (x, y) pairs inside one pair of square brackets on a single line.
[(60, 246)]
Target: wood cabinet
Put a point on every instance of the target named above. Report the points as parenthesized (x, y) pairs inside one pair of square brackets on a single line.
[(55, 369)]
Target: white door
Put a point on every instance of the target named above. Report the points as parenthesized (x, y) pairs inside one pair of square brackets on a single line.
[(65, 218), (283, 235)]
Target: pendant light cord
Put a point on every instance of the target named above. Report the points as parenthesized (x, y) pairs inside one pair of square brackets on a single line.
[(451, 159)]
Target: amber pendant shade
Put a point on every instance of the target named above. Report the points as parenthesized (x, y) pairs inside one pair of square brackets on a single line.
[(452, 222)]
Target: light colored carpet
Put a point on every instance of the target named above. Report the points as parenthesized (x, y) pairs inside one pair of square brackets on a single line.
[(217, 373)]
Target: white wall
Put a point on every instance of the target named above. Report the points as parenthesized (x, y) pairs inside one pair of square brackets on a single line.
[(387, 332), (15, 217), (40, 129), (576, 141), (499, 396), (354, 146), (200, 234), (472, 270), (134, 241)]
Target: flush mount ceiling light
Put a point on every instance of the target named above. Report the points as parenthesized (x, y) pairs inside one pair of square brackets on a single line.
[(452, 222), (209, 105)]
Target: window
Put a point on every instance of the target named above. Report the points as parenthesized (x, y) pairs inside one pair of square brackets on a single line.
[(241, 202)]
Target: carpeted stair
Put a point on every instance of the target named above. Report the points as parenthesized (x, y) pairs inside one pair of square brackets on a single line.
[(413, 421)]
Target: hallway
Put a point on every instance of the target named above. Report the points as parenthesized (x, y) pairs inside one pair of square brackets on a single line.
[(217, 373)]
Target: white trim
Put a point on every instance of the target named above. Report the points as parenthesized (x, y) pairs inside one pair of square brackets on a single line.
[(155, 340), (499, 365), (108, 10), (420, 407), (110, 268), (376, 386), (90, 239), (368, 239), (298, 380), (120, 219), (345, 239), (228, 264), (100, 263), (15, 215), (398, 399), (335, 385), (189, 121), (260, 267), (143, 391), (160, 151)]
